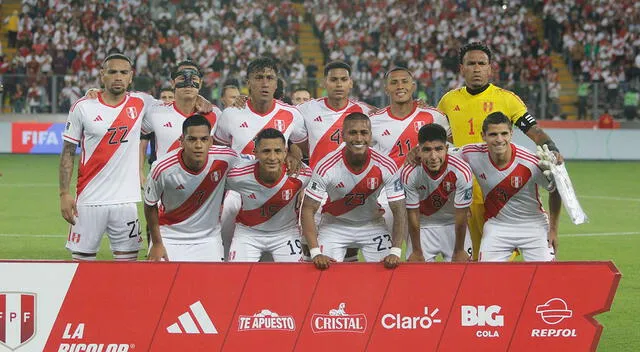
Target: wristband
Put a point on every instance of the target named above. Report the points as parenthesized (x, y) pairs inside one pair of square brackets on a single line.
[(396, 251), (314, 252)]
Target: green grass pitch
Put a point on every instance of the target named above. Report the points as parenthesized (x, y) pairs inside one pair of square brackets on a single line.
[(31, 228)]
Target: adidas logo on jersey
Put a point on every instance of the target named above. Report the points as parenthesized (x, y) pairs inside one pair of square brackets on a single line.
[(244, 125), (422, 188), (340, 185), (483, 176), (318, 119), (252, 196), (168, 124), (180, 187), (386, 133), (186, 320), (98, 118), (457, 108)]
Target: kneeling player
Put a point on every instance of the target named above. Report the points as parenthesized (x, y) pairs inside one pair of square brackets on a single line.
[(189, 183), (509, 176), (352, 178), (438, 195), (267, 221)]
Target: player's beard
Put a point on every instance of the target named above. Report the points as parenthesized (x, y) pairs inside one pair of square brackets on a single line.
[(117, 90)]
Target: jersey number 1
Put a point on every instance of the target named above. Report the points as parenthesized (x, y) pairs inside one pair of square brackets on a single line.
[(471, 131)]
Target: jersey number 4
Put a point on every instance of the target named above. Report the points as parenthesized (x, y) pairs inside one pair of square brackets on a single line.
[(118, 134)]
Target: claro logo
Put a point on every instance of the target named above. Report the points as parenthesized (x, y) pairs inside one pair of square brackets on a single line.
[(410, 322)]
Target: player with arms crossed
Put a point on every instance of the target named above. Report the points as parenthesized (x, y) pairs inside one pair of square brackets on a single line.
[(108, 130), (189, 183), (439, 192), (468, 106), (509, 176), (351, 178), (268, 220), (165, 120), (238, 128)]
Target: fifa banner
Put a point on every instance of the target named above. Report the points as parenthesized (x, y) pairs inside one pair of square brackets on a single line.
[(129, 307), (36, 138)]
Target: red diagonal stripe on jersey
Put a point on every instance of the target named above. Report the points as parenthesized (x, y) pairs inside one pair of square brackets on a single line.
[(498, 197), (280, 121), (357, 196), (325, 145), (439, 197), (198, 197), (104, 150), (27, 326), (409, 137), (287, 193)]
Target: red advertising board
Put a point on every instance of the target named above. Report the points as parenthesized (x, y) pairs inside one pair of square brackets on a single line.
[(122, 307)]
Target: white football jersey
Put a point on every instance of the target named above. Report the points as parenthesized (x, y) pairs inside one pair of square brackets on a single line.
[(353, 197), (511, 194), (189, 201), (109, 137), (165, 120), (438, 196), (267, 208), (394, 136), (238, 127), (324, 125)]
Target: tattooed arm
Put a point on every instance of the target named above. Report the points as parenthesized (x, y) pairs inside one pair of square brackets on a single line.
[(67, 201)]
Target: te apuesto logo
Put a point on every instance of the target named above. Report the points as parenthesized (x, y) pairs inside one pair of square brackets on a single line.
[(266, 320)]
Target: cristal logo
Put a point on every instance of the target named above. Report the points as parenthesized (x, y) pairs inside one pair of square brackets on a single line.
[(402, 322), (266, 320), (339, 321)]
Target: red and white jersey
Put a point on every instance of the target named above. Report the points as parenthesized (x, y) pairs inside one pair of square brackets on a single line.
[(510, 194), (109, 137), (238, 127), (324, 125), (268, 208), (352, 197), (165, 120), (395, 136), (189, 201), (438, 196)]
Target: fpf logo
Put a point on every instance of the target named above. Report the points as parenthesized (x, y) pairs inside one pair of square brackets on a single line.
[(17, 318)]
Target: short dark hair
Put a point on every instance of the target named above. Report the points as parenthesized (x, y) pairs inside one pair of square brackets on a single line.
[(261, 64), (336, 64), (117, 56), (398, 68), (279, 93), (474, 46), (227, 87), (269, 133), (166, 89), (432, 132), (495, 118), (195, 120), (356, 116), (301, 89), (187, 62)]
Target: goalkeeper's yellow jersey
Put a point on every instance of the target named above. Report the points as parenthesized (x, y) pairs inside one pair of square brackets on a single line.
[(466, 112)]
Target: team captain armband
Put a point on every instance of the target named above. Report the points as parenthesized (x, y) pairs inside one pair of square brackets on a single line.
[(525, 122)]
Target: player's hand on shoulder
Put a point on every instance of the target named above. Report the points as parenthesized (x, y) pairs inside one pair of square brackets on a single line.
[(203, 105), (157, 253), (413, 158), (240, 102), (92, 93), (423, 104), (460, 256), (391, 261), (416, 256), (68, 208), (322, 261)]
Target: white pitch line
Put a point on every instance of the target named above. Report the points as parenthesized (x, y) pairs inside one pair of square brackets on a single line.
[(29, 235), (20, 185), (599, 234), (625, 199)]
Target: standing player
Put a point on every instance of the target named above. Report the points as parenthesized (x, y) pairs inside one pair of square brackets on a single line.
[(238, 128), (509, 176), (351, 178), (468, 106), (300, 95), (438, 195), (229, 94), (189, 183), (108, 130), (165, 120), (267, 221), (167, 96)]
